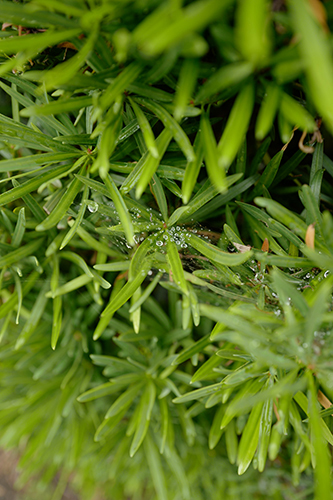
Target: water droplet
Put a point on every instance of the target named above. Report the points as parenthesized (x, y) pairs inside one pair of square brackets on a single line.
[(326, 273), (159, 243), (92, 206), (183, 245)]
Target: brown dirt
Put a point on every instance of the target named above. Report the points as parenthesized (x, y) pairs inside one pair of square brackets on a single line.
[(8, 476)]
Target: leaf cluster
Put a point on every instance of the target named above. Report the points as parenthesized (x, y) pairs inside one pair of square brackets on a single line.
[(166, 249)]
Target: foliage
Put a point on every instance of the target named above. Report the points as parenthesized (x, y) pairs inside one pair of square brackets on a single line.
[(166, 246)]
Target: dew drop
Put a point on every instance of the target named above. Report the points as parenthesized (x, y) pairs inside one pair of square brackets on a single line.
[(92, 206)]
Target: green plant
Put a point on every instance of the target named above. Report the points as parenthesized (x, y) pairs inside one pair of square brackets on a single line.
[(166, 246)]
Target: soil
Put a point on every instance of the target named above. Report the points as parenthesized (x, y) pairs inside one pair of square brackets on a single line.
[(8, 476)]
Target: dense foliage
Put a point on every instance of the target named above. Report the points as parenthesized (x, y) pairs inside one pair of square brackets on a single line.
[(166, 247)]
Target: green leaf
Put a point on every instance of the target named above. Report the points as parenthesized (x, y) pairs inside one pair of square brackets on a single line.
[(185, 87), (63, 72), (323, 483), (170, 124), (20, 253), (248, 389), (216, 171), (283, 215), (146, 293), (286, 290), (285, 128), (22, 135), (107, 426), (156, 468), (313, 214), (147, 246), (315, 52), (206, 369), (164, 34), (121, 208), (67, 238), (57, 321), (296, 114), (27, 162), (19, 229), (176, 265), (13, 13), (249, 440), (268, 175), (214, 253), (215, 431), (71, 285), (35, 42), (34, 317), (8, 306), (56, 107), (159, 195), (193, 349), (145, 127), (265, 432), (147, 166), (234, 322), (192, 169), (95, 244), (113, 266), (279, 430), (267, 112), (128, 290), (200, 199), (253, 30), (236, 126), (18, 290), (165, 419), (176, 466), (117, 87), (26, 102), (124, 400), (67, 199), (144, 415), (198, 393), (32, 184), (224, 78), (231, 441)]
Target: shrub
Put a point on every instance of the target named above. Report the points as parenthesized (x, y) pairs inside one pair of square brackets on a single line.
[(166, 246)]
